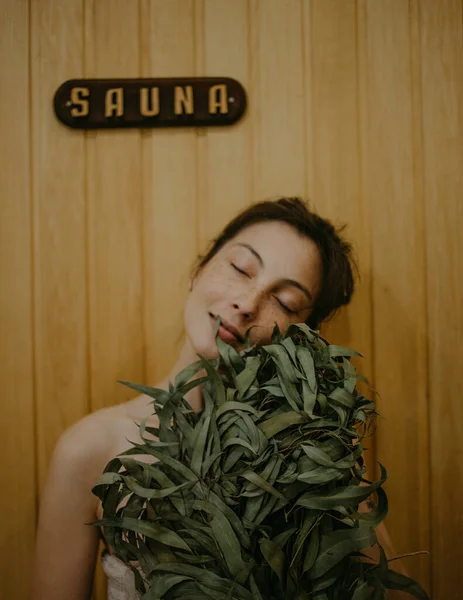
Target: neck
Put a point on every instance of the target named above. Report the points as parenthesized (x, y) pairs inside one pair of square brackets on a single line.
[(187, 357)]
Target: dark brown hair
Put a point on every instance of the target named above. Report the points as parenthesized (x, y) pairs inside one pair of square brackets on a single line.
[(338, 264)]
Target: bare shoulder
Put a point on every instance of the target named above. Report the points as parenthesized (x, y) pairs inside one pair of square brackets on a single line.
[(100, 436), (67, 507)]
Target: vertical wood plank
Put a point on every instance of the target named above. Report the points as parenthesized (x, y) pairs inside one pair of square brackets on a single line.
[(276, 90), (114, 224), (392, 188), (17, 432), (114, 191), (333, 131), (169, 188), (442, 94), (334, 142), (228, 169), (59, 228)]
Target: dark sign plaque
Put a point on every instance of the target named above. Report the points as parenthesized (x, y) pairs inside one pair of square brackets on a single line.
[(165, 102)]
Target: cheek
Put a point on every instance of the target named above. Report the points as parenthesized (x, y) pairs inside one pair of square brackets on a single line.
[(217, 284), (262, 333)]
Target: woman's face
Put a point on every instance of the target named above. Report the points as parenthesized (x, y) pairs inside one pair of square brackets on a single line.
[(268, 273)]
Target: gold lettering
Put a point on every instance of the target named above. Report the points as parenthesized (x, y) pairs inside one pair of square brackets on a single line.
[(183, 100), (218, 98), (77, 95), (149, 107), (114, 103)]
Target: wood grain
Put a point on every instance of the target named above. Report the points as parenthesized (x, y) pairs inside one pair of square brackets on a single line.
[(334, 142), (276, 89), (58, 199), (392, 187), (169, 190), (114, 221), (114, 225), (355, 104), (442, 97), (17, 431), (228, 168)]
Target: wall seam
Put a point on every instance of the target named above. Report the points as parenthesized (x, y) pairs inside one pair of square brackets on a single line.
[(362, 141), (33, 313), (420, 199), (420, 214), (142, 211), (86, 228)]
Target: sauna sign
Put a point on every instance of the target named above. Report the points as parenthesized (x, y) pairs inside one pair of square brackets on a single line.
[(165, 102)]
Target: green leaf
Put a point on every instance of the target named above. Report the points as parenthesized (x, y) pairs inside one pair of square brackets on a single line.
[(216, 383), (238, 442), (254, 589), (151, 530), (341, 351), (374, 517), (158, 394), (312, 551), (398, 581), (234, 406), (306, 361), (232, 517), (174, 464), (276, 424), (274, 556), (152, 493), (198, 450), (290, 392), (282, 538), (187, 373), (342, 396), (204, 576), (225, 537), (346, 496), (317, 455), (247, 376), (291, 349), (262, 483), (320, 475), (164, 584), (361, 591), (282, 360), (336, 545), (109, 478)]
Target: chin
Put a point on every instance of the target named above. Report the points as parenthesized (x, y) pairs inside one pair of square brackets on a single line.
[(206, 350), (201, 337)]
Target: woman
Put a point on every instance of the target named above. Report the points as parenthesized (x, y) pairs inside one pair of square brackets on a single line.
[(275, 262)]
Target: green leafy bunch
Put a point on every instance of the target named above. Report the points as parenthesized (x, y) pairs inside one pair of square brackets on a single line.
[(257, 496)]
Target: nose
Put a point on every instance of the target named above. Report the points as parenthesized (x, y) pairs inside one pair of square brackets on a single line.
[(247, 305)]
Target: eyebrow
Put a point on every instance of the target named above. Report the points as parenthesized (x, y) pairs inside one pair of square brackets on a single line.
[(292, 282)]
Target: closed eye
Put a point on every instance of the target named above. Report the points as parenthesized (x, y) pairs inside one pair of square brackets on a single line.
[(285, 308), (239, 270)]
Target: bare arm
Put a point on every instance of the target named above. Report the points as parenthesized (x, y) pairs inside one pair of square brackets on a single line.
[(66, 548)]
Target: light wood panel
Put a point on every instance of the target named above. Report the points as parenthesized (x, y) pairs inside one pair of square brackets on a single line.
[(114, 224), (398, 277), (227, 166), (277, 107), (58, 199), (17, 431), (114, 220), (169, 193), (333, 134), (442, 97), (354, 103), (334, 147)]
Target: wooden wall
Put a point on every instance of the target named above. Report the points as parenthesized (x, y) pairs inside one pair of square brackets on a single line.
[(356, 104)]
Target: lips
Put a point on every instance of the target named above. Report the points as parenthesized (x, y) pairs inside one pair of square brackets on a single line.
[(228, 328)]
